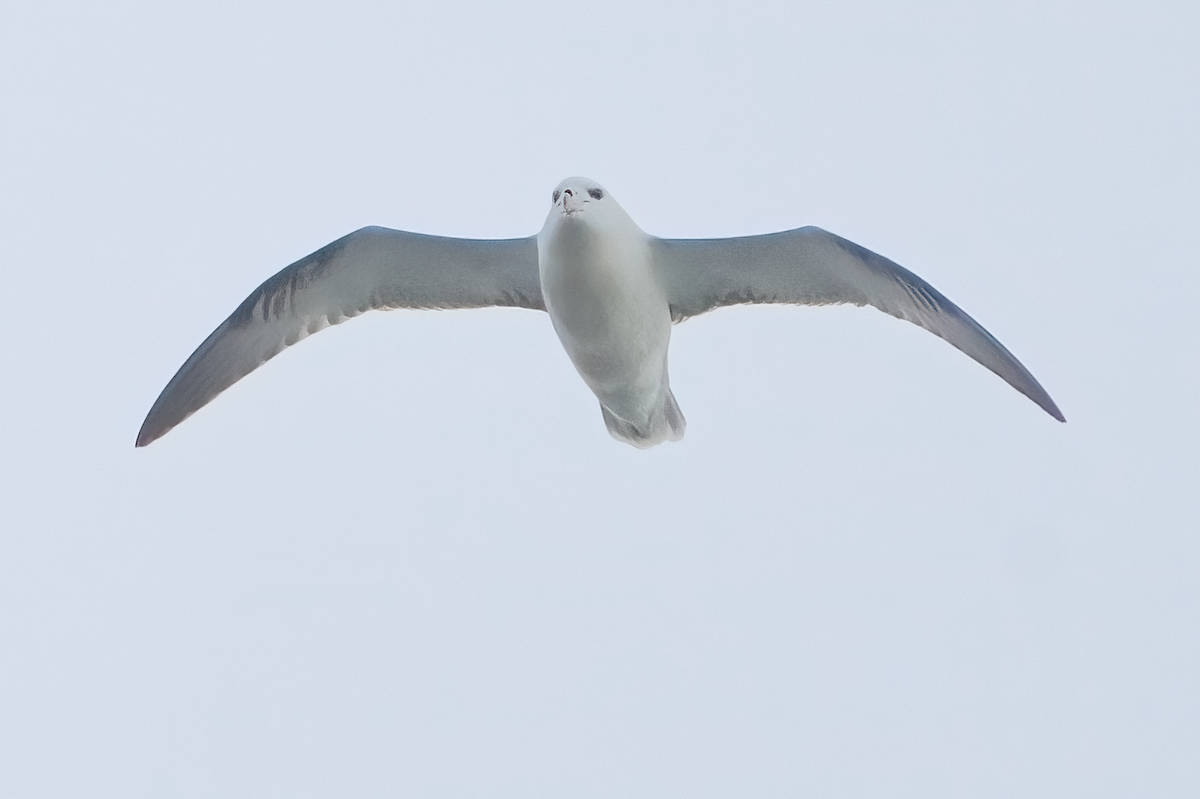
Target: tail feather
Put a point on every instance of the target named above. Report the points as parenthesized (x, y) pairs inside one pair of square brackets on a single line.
[(665, 423)]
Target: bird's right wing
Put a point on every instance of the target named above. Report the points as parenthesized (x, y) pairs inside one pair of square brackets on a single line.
[(372, 268), (810, 266)]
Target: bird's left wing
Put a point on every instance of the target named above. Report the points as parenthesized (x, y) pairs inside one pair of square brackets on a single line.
[(372, 268), (809, 266)]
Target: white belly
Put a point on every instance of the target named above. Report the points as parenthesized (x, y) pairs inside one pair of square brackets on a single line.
[(609, 311)]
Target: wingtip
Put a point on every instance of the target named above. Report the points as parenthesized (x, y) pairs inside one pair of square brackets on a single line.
[(147, 435), (1049, 407)]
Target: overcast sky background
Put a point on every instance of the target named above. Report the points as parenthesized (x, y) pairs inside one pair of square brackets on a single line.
[(406, 559)]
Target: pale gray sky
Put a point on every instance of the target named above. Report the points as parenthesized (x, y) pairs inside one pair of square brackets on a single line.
[(406, 559)]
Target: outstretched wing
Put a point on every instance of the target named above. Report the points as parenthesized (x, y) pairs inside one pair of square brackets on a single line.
[(372, 268), (810, 266)]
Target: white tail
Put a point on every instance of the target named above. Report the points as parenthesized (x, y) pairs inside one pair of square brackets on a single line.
[(665, 423)]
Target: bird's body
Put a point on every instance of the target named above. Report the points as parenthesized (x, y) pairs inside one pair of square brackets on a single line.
[(611, 290), (610, 312)]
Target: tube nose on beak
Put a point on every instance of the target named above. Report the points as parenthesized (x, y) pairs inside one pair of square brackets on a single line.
[(569, 204)]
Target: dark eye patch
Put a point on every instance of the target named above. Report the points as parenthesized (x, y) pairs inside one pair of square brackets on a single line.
[(596, 194), (554, 199)]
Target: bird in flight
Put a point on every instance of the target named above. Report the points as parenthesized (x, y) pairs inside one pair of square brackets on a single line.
[(612, 293)]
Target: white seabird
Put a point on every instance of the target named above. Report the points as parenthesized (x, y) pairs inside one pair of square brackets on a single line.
[(611, 290)]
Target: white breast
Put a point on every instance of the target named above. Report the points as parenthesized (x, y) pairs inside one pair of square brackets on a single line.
[(607, 306)]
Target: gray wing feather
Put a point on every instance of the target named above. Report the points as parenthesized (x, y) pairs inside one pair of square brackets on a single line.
[(372, 268), (810, 266)]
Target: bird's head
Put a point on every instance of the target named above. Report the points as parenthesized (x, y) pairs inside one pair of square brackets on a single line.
[(575, 196)]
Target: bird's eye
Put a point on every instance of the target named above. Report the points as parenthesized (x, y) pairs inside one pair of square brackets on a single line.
[(596, 194), (554, 199)]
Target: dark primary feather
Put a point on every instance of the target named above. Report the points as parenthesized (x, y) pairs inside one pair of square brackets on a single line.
[(372, 268), (809, 266)]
